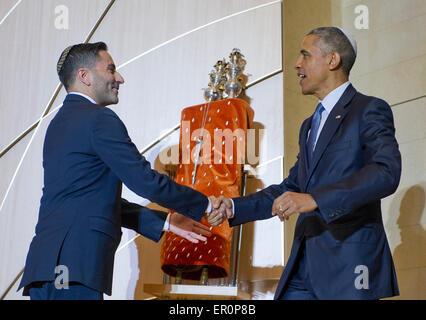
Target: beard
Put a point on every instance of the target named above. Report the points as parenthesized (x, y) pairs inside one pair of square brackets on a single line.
[(107, 95)]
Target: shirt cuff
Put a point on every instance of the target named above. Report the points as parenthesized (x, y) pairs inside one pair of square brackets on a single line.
[(209, 207), (166, 226), (233, 208)]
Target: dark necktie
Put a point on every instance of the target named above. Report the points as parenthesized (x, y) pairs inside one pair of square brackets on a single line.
[(316, 119)]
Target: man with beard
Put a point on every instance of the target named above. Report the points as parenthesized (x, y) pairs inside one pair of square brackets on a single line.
[(87, 155)]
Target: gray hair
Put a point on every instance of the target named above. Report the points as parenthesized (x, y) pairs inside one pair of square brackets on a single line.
[(333, 39)]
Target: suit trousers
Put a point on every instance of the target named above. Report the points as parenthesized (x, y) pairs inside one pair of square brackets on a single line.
[(76, 291), (299, 285)]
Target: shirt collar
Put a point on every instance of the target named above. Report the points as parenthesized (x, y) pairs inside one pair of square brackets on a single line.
[(333, 97), (84, 96)]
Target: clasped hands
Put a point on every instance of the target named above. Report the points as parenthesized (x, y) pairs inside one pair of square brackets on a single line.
[(222, 209), (193, 231), (284, 206)]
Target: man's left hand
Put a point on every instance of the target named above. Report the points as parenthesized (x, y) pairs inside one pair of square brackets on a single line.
[(189, 229), (292, 202)]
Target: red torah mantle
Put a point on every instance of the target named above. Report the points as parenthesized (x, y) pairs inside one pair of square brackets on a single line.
[(218, 173)]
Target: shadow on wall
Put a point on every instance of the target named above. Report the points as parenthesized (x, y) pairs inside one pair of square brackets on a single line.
[(410, 255)]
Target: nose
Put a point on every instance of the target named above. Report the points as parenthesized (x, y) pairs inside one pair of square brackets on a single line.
[(298, 62), (119, 78)]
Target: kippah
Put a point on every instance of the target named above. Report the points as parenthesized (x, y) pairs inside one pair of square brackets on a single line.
[(63, 57), (350, 38)]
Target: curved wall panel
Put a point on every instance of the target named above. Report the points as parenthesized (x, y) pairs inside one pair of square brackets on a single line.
[(34, 44), (170, 78), (19, 213)]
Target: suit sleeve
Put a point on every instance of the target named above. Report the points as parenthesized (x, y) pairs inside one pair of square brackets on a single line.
[(258, 206), (380, 175), (149, 223), (115, 148)]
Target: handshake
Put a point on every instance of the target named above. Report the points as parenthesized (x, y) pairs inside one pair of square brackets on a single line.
[(193, 231), (221, 210), (287, 204), (284, 206)]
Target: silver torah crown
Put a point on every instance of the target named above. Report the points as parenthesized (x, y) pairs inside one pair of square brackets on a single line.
[(215, 88), (234, 86), (226, 78)]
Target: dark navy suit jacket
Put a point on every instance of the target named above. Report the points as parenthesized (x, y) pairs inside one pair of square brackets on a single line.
[(356, 163), (87, 155)]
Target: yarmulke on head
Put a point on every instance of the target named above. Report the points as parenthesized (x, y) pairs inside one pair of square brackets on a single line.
[(331, 39), (62, 58), (351, 40), (83, 55)]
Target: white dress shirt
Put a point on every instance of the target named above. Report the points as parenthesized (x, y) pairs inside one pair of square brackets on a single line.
[(84, 96), (328, 103), (166, 226)]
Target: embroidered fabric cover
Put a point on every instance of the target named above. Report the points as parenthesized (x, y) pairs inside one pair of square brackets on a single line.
[(219, 172)]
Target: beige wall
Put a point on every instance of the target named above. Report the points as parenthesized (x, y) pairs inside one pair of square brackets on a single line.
[(391, 64), (296, 106)]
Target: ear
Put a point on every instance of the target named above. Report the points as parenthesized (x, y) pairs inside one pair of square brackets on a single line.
[(335, 60), (84, 76)]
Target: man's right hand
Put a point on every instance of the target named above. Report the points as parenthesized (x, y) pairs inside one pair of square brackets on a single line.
[(222, 209)]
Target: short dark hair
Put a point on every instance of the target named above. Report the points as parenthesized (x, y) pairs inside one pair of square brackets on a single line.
[(334, 39), (83, 55)]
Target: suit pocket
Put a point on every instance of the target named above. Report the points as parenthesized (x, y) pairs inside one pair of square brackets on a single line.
[(366, 234), (105, 226), (339, 146)]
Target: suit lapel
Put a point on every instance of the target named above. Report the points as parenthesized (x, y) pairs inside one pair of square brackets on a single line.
[(334, 120)]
